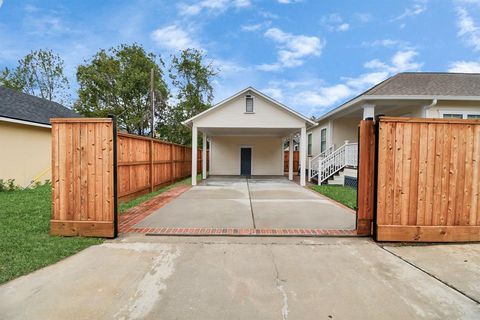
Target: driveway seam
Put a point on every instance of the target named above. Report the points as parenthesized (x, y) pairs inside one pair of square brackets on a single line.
[(432, 275), (251, 206)]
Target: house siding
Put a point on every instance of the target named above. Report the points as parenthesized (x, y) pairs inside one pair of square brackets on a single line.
[(267, 155), (26, 152), (233, 115)]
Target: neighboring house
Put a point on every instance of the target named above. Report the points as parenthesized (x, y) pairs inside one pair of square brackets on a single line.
[(332, 144), (246, 134), (25, 136)]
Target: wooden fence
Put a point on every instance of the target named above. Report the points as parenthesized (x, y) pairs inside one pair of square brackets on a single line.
[(428, 180), (146, 164), (82, 178), (86, 185), (366, 177), (296, 157)]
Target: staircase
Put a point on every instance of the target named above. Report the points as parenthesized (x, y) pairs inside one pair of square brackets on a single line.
[(331, 162)]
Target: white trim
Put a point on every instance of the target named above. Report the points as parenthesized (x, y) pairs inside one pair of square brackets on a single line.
[(463, 112), (251, 158), (326, 138), (28, 123), (253, 104), (367, 98), (188, 122), (309, 134)]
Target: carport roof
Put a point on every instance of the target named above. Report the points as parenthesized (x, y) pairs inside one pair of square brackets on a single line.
[(244, 91)]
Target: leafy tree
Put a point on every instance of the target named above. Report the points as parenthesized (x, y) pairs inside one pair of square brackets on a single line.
[(192, 78), (39, 73), (117, 82)]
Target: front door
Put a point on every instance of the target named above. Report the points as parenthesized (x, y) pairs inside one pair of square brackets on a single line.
[(245, 161)]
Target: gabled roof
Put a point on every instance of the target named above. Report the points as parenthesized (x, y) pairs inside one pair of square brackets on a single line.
[(418, 86), (21, 106), (242, 92), (429, 84)]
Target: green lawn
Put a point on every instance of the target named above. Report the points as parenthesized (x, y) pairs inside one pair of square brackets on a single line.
[(345, 195), (122, 207), (25, 244)]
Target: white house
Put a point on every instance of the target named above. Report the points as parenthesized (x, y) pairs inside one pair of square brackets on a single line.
[(333, 142), (246, 134)]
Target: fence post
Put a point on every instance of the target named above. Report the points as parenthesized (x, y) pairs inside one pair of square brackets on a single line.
[(366, 177), (151, 165)]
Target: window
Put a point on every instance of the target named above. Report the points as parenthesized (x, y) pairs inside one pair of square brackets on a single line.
[(249, 104), (460, 115), (309, 144), (323, 139), (452, 116)]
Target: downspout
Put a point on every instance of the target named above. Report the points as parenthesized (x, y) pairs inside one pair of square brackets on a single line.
[(433, 104)]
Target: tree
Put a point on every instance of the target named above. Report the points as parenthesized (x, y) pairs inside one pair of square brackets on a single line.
[(192, 79), (117, 82), (39, 73)]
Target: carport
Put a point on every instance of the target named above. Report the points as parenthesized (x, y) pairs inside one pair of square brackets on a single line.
[(258, 203)]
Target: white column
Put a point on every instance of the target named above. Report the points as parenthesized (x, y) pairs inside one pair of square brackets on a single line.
[(290, 158), (204, 156), (303, 155), (194, 155), (210, 156), (368, 111)]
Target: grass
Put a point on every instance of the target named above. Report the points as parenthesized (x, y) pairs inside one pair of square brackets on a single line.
[(345, 195), (25, 244), (122, 207)]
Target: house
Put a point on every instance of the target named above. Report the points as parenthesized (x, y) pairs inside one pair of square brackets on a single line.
[(246, 134), (25, 136), (332, 144)]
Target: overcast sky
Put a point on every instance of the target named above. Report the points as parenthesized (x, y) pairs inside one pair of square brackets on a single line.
[(309, 54)]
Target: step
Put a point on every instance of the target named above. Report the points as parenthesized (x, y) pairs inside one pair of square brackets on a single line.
[(351, 172)]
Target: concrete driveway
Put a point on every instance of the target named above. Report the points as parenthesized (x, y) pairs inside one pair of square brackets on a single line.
[(258, 202), (139, 277)]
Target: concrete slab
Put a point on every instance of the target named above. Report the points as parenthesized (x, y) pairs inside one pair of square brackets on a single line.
[(216, 192), (457, 265), (201, 213), (276, 202), (315, 214), (232, 278)]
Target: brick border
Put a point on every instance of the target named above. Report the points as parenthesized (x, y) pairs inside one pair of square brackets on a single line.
[(131, 217), (243, 232), (136, 214)]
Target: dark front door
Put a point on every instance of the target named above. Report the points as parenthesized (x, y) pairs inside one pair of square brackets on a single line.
[(245, 161)]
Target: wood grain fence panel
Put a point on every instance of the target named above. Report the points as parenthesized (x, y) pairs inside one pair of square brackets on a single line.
[(146, 164), (366, 178), (82, 173), (435, 181), (296, 157)]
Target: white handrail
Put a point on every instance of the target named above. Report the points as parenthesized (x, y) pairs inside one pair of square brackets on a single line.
[(312, 162), (344, 156)]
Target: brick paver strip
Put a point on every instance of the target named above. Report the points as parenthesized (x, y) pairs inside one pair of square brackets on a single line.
[(127, 220), (136, 214)]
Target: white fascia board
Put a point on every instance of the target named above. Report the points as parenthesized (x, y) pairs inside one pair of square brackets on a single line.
[(28, 123), (369, 98), (188, 122)]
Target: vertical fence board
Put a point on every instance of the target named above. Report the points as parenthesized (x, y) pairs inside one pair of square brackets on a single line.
[(146, 164), (82, 173), (435, 180), (366, 175)]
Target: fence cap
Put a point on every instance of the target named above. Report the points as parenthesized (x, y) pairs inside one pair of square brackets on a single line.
[(429, 120), (80, 120)]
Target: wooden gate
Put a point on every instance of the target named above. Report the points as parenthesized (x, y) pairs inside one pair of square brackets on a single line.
[(83, 193), (428, 180)]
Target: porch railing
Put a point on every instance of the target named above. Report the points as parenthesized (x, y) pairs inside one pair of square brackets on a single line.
[(346, 155)]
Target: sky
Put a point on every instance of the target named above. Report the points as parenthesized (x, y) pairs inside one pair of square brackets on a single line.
[(311, 55)]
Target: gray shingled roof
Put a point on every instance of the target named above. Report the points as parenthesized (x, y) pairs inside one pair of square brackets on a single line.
[(22, 106), (429, 84)]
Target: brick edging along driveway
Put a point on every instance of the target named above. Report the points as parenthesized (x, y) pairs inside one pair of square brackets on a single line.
[(130, 218)]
